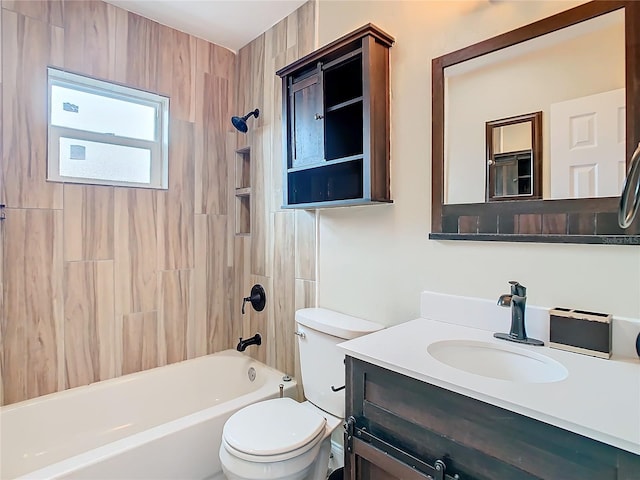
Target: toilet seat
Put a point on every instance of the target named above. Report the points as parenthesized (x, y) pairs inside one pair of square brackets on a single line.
[(273, 430), (297, 453)]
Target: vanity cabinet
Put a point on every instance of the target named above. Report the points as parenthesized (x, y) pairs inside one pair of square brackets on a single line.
[(399, 427), (336, 123)]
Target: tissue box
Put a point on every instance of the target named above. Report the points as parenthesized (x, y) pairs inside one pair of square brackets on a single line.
[(580, 332)]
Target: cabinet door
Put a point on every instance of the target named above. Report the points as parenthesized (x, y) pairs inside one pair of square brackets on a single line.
[(369, 463), (307, 122)]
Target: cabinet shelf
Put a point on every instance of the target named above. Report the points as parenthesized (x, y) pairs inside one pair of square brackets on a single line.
[(326, 163), (338, 203), (344, 104), (336, 123)]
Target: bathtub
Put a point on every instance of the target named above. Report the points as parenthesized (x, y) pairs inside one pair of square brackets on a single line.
[(164, 423)]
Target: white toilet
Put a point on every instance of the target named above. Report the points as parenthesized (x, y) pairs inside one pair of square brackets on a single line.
[(282, 439)]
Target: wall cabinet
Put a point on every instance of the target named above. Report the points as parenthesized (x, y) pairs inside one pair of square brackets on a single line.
[(399, 427), (336, 123)]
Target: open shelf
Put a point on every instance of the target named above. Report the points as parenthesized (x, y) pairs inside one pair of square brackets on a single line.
[(343, 132), (243, 215), (343, 82), (338, 181), (243, 167)]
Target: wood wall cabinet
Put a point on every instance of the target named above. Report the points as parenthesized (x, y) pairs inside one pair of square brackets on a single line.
[(399, 427), (336, 123)]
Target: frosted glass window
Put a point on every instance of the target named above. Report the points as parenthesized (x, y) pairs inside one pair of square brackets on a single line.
[(101, 114), (104, 161), (106, 134)]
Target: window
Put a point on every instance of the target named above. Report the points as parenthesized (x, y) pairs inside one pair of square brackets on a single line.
[(106, 134)]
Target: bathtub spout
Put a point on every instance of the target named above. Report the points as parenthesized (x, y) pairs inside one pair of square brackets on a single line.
[(243, 344)]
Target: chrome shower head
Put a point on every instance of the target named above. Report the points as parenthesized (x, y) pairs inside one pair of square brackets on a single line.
[(241, 122)]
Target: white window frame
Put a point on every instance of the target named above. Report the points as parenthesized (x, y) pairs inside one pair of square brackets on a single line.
[(159, 148)]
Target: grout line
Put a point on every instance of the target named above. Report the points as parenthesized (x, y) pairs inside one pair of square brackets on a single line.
[(316, 24), (63, 377), (317, 255)]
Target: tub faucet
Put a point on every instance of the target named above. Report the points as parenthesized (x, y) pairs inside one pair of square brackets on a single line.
[(517, 300), (243, 344)]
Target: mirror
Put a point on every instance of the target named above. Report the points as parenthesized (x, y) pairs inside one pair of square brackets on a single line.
[(514, 158), (567, 74), (587, 55)]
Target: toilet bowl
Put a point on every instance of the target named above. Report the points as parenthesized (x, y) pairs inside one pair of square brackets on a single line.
[(282, 439), (277, 439)]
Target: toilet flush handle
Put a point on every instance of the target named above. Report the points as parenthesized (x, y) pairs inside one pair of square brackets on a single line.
[(300, 334), (334, 389)]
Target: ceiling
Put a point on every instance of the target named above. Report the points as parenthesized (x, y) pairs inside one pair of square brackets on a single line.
[(228, 23)]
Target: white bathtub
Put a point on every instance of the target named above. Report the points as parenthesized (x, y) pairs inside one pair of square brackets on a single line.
[(164, 423)]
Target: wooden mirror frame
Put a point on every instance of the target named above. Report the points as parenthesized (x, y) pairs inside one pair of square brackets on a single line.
[(587, 220), (535, 119)]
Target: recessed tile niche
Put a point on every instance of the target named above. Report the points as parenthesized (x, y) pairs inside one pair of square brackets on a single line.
[(243, 191)]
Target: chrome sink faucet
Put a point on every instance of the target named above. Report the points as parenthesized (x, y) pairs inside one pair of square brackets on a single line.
[(517, 300)]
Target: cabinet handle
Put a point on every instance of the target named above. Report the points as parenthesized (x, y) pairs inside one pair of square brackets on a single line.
[(318, 116)]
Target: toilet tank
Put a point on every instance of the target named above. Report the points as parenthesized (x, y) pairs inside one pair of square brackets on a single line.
[(321, 362)]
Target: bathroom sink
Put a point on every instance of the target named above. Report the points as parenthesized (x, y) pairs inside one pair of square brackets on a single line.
[(497, 361)]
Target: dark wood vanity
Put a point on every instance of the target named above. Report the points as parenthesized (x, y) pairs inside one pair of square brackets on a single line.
[(402, 428)]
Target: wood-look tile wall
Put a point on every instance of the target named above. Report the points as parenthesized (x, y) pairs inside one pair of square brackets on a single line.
[(280, 251), (101, 281)]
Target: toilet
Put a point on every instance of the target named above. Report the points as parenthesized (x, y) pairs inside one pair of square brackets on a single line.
[(281, 439)]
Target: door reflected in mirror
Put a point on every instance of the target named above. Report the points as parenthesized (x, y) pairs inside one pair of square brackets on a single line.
[(586, 143), (514, 158)]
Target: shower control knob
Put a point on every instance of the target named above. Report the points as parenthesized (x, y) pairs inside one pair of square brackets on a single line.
[(318, 116)]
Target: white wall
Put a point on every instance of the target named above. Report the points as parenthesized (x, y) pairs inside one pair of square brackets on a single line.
[(374, 261)]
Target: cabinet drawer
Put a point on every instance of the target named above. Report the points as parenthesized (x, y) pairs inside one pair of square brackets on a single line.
[(477, 440)]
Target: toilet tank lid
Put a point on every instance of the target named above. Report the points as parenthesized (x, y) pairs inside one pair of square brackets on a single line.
[(335, 323)]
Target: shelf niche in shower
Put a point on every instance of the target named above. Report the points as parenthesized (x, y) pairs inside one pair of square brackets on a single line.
[(243, 191)]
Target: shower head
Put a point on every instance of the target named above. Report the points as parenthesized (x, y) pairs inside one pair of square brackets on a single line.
[(241, 122)]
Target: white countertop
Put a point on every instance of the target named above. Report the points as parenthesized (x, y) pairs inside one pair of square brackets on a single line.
[(599, 398)]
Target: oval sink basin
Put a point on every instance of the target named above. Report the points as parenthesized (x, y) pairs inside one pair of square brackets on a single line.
[(497, 361)]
